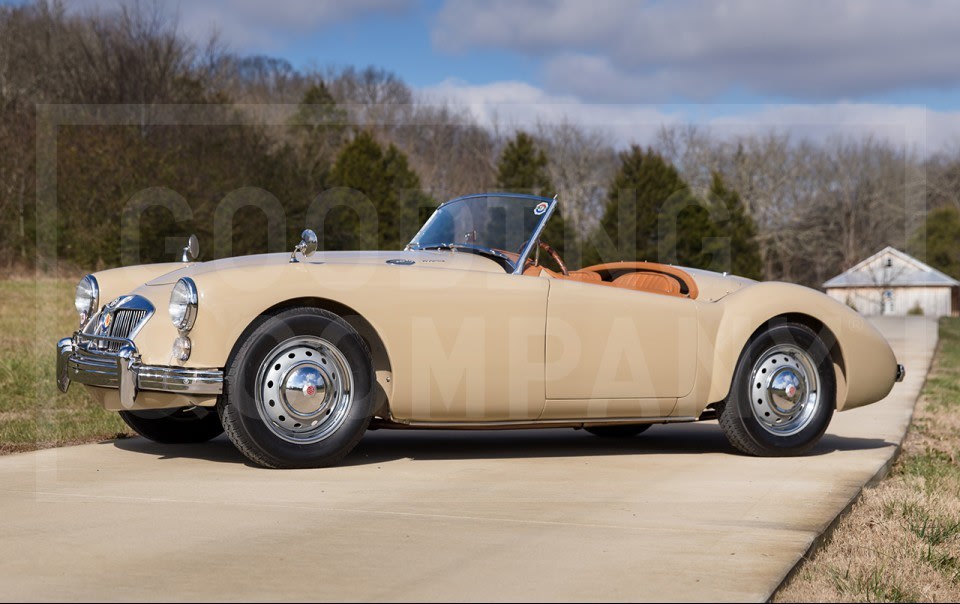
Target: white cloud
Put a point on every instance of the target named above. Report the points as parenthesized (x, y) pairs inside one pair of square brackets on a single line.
[(916, 127), (650, 51), (519, 105), (597, 78), (513, 104)]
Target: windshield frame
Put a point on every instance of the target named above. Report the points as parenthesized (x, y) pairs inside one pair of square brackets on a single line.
[(527, 249)]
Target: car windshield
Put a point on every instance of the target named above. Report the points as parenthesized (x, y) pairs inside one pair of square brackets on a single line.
[(503, 225)]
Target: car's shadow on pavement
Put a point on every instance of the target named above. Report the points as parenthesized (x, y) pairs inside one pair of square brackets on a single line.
[(219, 449), (380, 446)]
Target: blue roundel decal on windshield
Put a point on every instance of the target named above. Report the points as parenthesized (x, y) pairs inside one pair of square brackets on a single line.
[(541, 208)]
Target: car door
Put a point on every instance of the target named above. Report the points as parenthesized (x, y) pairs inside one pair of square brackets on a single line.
[(614, 352), (467, 347)]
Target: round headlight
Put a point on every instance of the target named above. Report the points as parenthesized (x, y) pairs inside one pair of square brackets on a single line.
[(87, 299), (183, 304)]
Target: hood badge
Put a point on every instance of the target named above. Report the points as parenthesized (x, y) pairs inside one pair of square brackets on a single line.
[(122, 300), (400, 262)]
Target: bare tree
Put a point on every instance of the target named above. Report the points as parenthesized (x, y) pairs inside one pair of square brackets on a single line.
[(582, 163), (259, 79), (943, 178), (819, 208), (451, 153)]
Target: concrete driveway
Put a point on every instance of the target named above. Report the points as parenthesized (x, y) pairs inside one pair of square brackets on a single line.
[(531, 515)]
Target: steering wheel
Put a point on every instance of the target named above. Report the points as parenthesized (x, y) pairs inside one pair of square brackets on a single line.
[(553, 254)]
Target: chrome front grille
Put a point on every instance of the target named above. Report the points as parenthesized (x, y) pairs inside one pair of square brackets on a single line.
[(119, 321), (122, 326)]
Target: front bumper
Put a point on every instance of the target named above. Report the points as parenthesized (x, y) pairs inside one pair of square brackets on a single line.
[(87, 359)]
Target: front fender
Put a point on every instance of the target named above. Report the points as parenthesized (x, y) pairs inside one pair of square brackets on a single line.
[(230, 300)]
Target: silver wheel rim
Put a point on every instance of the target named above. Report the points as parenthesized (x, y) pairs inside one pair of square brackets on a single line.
[(785, 390), (304, 389)]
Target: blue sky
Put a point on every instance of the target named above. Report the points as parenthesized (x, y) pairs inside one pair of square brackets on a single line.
[(399, 41), (629, 65)]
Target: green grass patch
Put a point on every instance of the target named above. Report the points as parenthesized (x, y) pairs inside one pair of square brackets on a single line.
[(942, 562), (936, 531), (33, 413), (935, 467), (870, 584), (942, 390)]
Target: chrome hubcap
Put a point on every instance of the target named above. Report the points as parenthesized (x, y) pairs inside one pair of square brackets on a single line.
[(304, 389), (785, 389)]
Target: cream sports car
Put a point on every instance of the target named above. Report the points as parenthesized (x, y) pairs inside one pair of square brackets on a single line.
[(295, 356)]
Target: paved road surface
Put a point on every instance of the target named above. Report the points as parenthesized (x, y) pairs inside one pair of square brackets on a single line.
[(532, 515)]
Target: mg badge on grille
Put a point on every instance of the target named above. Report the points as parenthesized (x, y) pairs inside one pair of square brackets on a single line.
[(107, 320)]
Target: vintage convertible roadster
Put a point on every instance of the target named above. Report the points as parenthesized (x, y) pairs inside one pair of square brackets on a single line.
[(295, 356)]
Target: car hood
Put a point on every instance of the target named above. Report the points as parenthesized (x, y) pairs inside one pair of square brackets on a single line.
[(422, 259)]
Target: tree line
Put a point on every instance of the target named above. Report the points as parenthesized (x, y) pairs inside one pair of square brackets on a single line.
[(262, 150)]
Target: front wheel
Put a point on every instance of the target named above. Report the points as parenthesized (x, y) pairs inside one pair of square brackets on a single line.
[(783, 393), (298, 391), (175, 426)]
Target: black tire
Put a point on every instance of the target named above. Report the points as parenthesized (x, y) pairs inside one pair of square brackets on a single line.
[(620, 431), (747, 410), (245, 419), (175, 426)]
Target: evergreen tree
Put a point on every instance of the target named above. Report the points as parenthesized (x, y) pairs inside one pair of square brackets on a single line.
[(739, 230), (318, 127), (385, 179), (523, 169), (940, 245), (651, 214)]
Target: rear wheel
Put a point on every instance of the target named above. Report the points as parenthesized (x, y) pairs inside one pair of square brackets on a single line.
[(185, 425), (783, 393), (621, 431), (298, 391)]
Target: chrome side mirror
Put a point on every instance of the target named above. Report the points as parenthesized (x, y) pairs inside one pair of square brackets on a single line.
[(307, 245), (192, 251)]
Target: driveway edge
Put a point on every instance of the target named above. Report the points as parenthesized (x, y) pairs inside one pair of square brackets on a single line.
[(826, 532)]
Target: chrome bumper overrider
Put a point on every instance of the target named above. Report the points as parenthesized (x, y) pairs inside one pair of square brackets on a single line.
[(85, 359), (901, 372)]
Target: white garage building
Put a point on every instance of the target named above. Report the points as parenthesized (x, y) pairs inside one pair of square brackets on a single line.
[(893, 283)]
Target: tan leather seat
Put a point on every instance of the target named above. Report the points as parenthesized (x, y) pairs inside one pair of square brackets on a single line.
[(584, 276), (688, 286), (581, 275), (648, 282)]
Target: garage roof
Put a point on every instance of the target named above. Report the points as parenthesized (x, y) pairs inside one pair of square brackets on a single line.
[(891, 268)]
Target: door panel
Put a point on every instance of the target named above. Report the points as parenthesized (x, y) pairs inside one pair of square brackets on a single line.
[(471, 350), (610, 343)]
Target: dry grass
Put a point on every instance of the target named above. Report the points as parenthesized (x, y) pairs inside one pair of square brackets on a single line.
[(33, 413), (901, 541)]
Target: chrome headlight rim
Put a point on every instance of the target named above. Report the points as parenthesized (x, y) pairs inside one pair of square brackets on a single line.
[(183, 304), (86, 300)]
